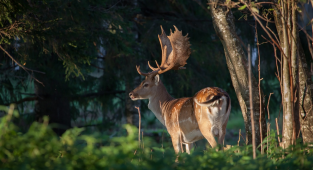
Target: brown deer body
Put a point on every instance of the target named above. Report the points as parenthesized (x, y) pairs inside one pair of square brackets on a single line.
[(189, 119)]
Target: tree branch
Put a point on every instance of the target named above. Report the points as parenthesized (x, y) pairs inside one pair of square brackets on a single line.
[(27, 99), (71, 98), (24, 68), (97, 94)]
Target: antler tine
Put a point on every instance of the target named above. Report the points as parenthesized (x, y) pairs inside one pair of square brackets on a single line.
[(152, 68), (164, 56), (153, 73), (167, 69), (166, 47), (157, 65), (141, 73)]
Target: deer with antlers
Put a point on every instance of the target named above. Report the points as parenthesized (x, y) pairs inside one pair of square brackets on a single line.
[(188, 119)]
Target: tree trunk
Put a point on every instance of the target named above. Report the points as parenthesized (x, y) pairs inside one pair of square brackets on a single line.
[(224, 26), (53, 103), (295, 75), (287, 36), (305, 93), (305, 97)]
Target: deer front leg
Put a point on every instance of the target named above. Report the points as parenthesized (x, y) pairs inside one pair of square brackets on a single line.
[(176, 143)]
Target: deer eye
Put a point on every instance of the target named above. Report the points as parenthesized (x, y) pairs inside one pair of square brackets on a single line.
[(145, 85)]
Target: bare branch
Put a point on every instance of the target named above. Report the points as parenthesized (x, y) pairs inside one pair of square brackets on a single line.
[(251, 103), (139, 124), (23, 67), (268, 102)]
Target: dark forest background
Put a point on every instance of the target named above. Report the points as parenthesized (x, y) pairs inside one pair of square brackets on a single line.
[(75, 60)]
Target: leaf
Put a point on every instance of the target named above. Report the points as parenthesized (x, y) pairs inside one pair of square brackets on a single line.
[(242, 7), (255, 10)]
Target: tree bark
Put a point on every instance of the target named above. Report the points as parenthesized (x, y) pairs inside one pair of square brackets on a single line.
[(295, 76), (305, 97), (223, 22)]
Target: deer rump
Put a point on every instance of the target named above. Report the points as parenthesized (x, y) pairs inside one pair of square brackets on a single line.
[(212, 104), (202, 115)]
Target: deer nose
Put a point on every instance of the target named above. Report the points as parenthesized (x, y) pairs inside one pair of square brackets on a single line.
[(130, 94)]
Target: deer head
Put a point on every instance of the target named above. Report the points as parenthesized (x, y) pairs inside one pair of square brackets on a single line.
[(147, 88), (175, 51)]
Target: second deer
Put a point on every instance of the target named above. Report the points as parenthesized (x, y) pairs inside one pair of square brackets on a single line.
[(189, 119)]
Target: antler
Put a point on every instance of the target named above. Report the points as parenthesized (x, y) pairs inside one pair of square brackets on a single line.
[(175, 52), (153, 73)]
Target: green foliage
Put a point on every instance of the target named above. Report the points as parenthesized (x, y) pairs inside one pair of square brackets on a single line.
[(242, 7), (63, 39), (71, 30), (40, 148)]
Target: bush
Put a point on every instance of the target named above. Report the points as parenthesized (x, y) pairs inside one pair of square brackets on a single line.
[(40, 148)]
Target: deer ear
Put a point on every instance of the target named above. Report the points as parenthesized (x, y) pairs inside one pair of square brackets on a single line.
[(156, 79)]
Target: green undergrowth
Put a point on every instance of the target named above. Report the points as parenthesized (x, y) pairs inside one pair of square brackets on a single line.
[(40, 148)]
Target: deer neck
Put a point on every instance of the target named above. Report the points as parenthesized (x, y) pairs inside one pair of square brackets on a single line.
[(157, 101)]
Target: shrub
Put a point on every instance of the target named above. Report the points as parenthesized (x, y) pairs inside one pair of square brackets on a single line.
[(40, 148)]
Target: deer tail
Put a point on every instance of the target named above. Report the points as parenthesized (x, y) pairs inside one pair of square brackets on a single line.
[(210, 102)]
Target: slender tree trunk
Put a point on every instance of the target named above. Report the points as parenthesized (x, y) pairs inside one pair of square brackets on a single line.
[(287, 102), (224, 26)]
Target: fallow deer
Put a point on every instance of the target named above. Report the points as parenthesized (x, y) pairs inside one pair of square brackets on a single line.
[(187, 119)]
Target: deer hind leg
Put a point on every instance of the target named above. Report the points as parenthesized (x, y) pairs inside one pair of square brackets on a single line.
[(205, 129), (189, 147), (221, 137), (208, 136)]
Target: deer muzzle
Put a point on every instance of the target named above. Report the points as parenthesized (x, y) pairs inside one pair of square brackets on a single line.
[(133, 96)]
